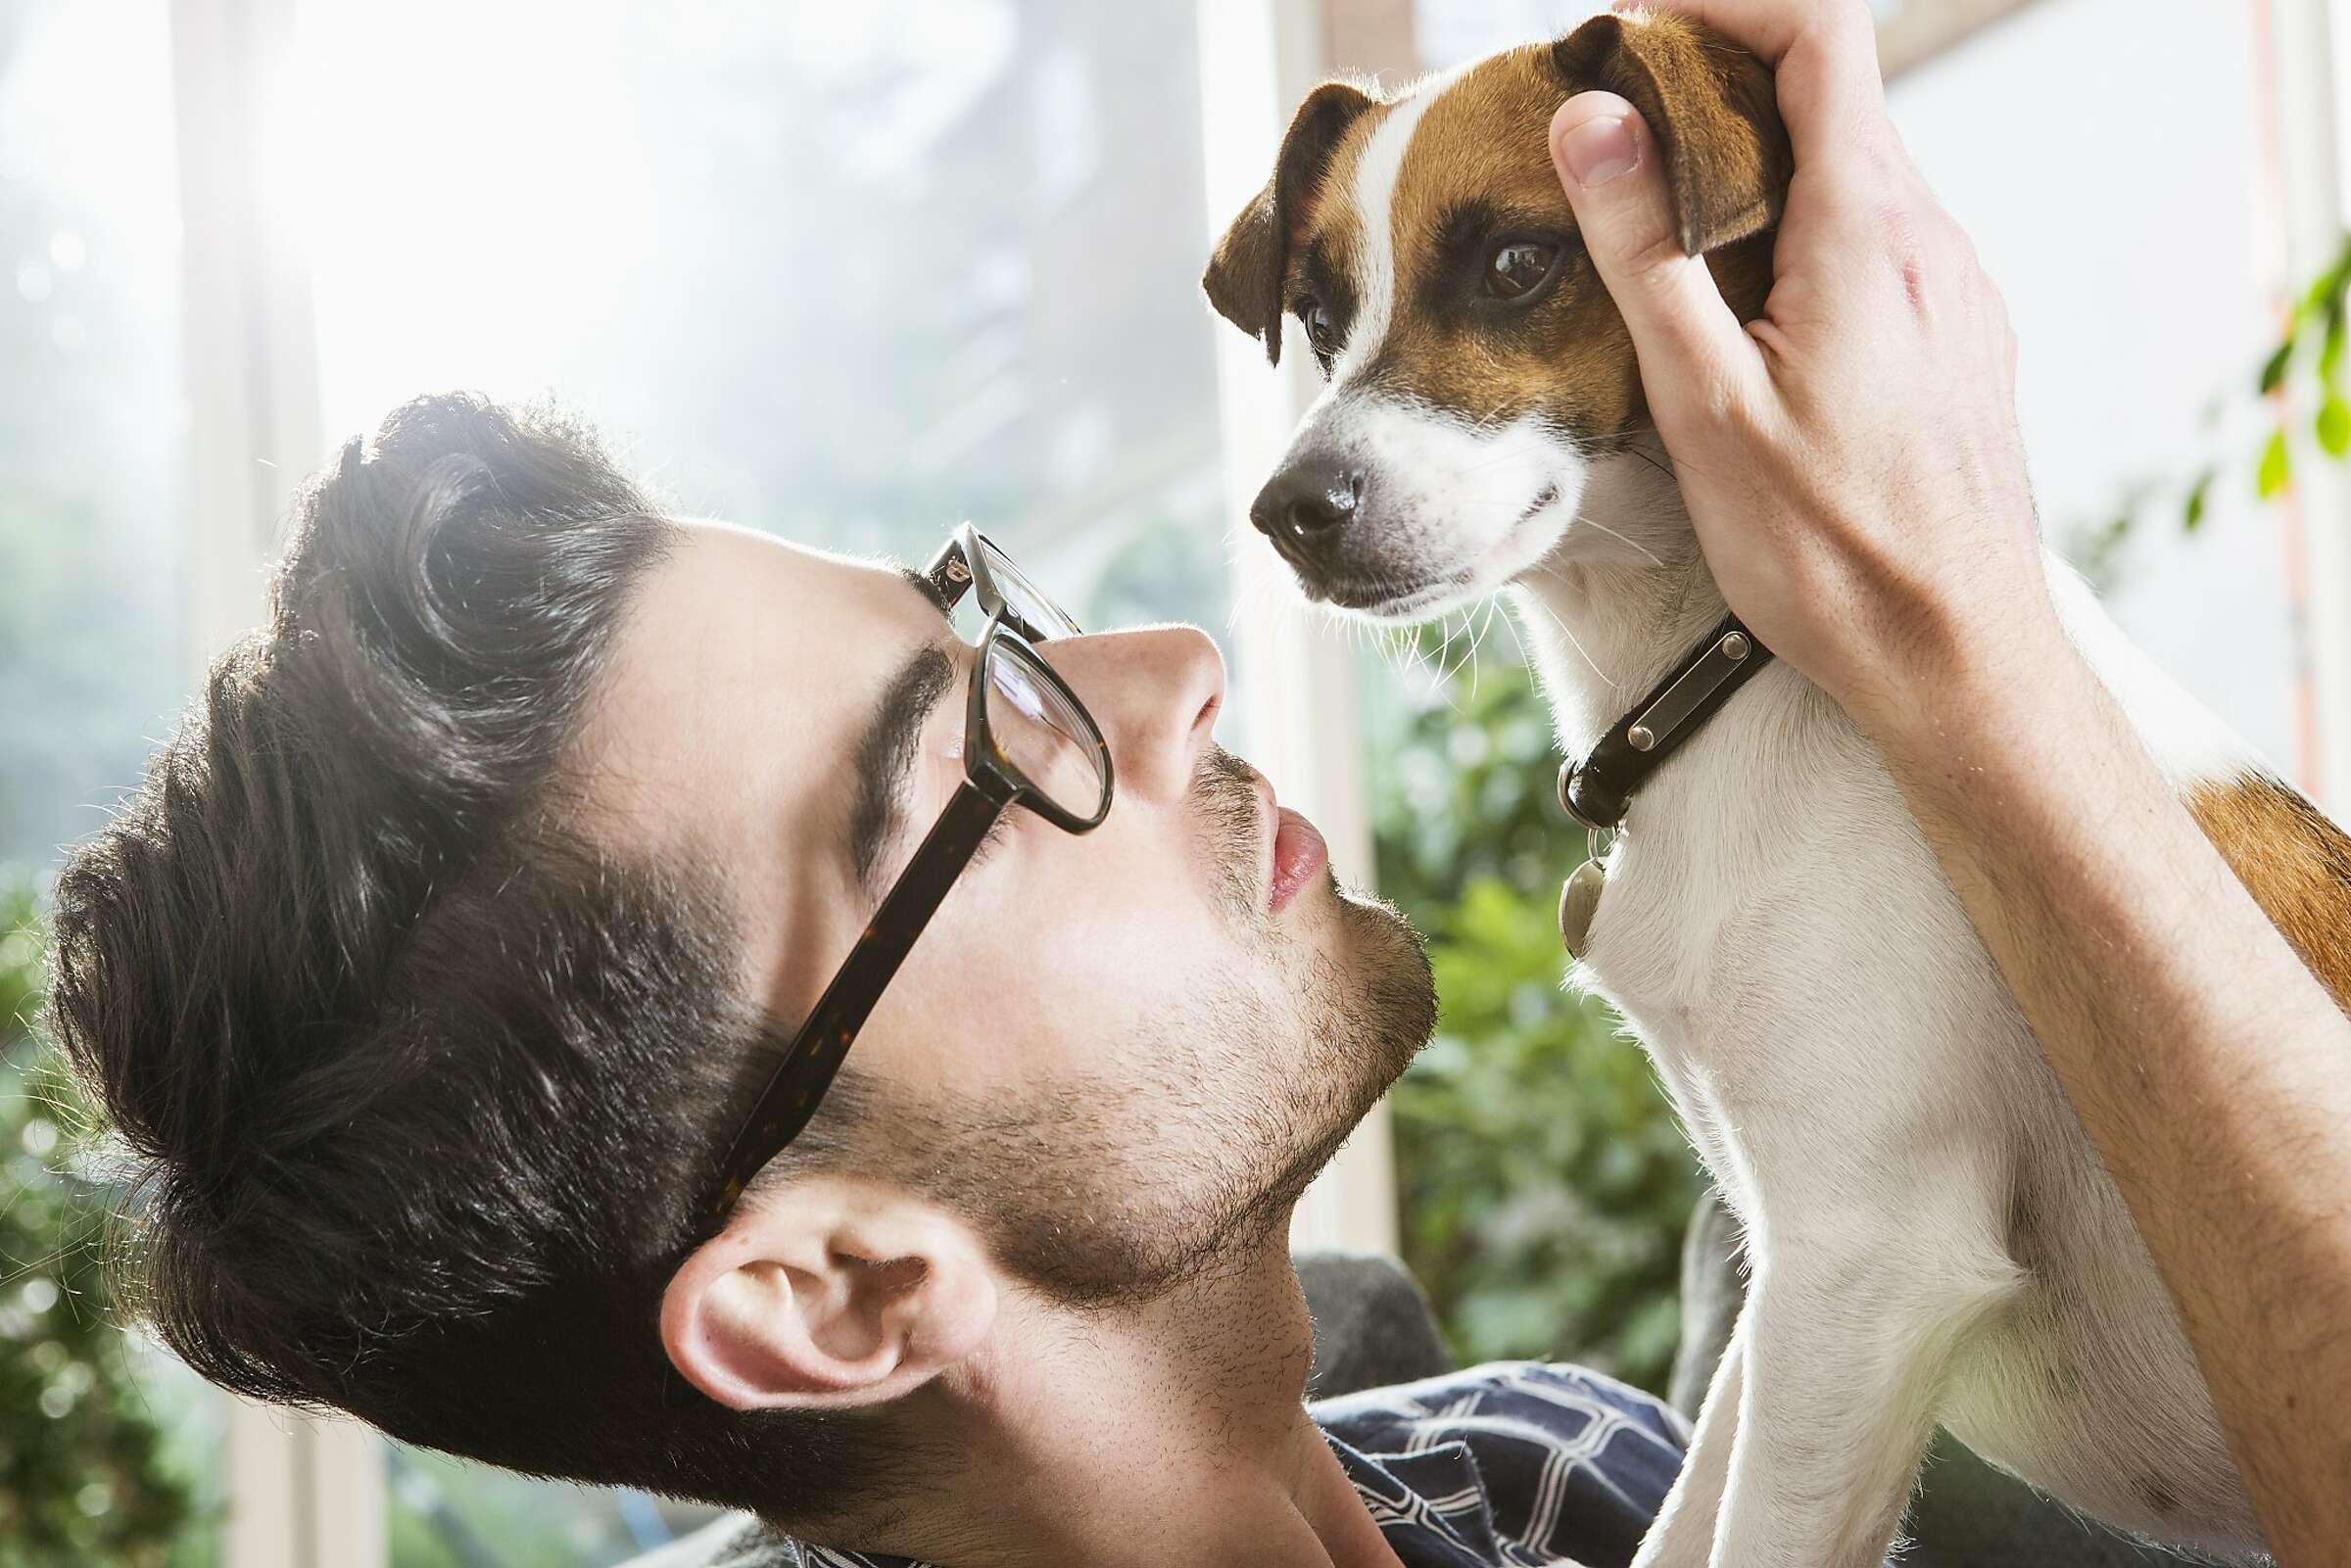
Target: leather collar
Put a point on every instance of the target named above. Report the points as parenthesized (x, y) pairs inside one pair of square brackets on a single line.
[(1599, 790)]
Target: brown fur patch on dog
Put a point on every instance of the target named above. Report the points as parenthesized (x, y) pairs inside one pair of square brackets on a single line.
[(1480, 166), (1478, 169), (1711, 108), (1480, 158), (1326, 245), (2293, 860), (1249, 273)]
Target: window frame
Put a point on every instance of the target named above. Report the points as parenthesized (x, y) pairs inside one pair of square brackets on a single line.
[(1258, 58), (301, 1491), (2309, 65)]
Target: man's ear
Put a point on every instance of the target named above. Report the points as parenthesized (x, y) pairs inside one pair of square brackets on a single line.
[(826, 1295), (1711, 107), (1244, 276)]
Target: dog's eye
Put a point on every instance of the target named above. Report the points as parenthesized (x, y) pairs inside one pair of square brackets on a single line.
[(1322, 332), (1518, 267)]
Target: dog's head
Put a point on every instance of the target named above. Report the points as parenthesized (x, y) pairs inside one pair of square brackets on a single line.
[(1476, 367)]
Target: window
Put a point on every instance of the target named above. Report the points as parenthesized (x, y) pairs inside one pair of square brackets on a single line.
[(2105, 403), (93, 523), (92, 482), (850, 273)]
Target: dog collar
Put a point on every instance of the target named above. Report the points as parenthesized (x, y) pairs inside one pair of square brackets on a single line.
[(1598, 791)]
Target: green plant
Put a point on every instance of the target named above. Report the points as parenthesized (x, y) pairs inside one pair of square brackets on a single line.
[(84, 1478), (2251, 432), (1543, 1181)]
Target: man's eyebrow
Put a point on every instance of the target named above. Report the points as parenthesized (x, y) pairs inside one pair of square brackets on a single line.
[(916, 579), (885, 754)]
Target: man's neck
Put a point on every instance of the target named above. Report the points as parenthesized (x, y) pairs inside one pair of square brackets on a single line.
[(1173, 1433)]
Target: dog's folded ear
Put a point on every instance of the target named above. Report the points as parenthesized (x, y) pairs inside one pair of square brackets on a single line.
[(1711, 107), (1244, 276)]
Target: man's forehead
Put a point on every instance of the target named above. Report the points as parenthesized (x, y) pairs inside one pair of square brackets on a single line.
[(728, 719), (743, 660)]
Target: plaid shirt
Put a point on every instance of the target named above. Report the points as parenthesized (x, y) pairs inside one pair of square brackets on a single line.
[(1509, 1466)]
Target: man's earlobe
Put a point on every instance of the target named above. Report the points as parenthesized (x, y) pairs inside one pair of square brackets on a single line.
[(828, 1296), (1245, 275), (1712, 109)]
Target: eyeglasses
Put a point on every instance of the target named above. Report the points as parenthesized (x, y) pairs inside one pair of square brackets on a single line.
[(1027, 741)]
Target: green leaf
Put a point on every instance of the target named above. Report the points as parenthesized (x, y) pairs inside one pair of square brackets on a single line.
[(2197, 497), (2334, 425), (2327, 287), (2273, 372), (2331, 351), (2277, 468)]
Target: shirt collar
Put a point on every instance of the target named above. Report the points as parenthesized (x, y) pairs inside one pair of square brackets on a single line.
[(1429, 1502)]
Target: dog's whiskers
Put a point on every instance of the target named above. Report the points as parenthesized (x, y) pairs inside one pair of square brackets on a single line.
[(1594, 522), (1573, 642), (1483, 627), (1506, 454), (1511, 622)]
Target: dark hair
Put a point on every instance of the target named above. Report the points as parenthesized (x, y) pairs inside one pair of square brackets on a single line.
[(425, 1082)]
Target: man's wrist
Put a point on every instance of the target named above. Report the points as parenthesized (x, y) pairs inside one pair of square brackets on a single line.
[(1954, 680)]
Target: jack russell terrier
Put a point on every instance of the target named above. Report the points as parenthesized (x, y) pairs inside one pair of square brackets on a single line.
[(1931, 1235)]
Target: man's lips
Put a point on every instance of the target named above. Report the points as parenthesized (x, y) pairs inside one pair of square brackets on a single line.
[(1295, 852), (1299, 856)]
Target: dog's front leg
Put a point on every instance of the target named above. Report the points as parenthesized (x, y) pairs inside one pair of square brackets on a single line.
[(1846, 1345), (1684, 1534)]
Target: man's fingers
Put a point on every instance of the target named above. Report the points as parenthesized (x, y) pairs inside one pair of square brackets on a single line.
[(1771, 28), (1824, 54), (1687, 337), (1767, 27)]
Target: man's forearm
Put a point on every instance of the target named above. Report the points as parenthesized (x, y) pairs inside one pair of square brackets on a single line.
[(2211, 1070)]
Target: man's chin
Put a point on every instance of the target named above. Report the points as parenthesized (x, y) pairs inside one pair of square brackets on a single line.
[(1397, 990)]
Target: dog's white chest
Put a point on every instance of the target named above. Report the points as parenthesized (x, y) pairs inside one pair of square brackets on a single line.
[(1851, 1067)]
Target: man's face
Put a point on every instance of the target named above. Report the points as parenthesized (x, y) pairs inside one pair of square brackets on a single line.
[(1118, 1053)]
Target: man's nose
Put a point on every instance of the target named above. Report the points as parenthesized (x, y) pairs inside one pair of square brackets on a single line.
[(1154, 695), (1309, 501)]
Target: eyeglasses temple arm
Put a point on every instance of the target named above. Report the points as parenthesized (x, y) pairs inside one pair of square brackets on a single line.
[(800, 1079)]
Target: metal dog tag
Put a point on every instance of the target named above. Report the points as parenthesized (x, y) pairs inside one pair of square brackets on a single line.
[(1579, 901)]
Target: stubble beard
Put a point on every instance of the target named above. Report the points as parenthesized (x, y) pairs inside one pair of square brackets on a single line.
[(1105, 1192)]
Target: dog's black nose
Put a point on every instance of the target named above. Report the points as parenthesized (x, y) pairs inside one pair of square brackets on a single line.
[(1307, 501)]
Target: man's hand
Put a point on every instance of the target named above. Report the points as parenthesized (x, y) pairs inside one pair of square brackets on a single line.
[(1851, 458), (1851, 463)]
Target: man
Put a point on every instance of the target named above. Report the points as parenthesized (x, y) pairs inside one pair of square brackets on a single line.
[(638, 1001)]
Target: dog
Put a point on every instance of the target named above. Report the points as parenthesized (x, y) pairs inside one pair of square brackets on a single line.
[(1931, 1235)]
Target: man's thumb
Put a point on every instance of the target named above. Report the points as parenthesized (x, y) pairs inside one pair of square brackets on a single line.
[(1607, 160)]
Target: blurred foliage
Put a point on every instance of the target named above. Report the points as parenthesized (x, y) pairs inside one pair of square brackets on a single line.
[(1543, 1180), (2252, 433), (84, 1476)]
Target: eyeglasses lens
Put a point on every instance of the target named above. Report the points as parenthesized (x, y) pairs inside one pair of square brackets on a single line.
[(1030, 607), (1040, 733)]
